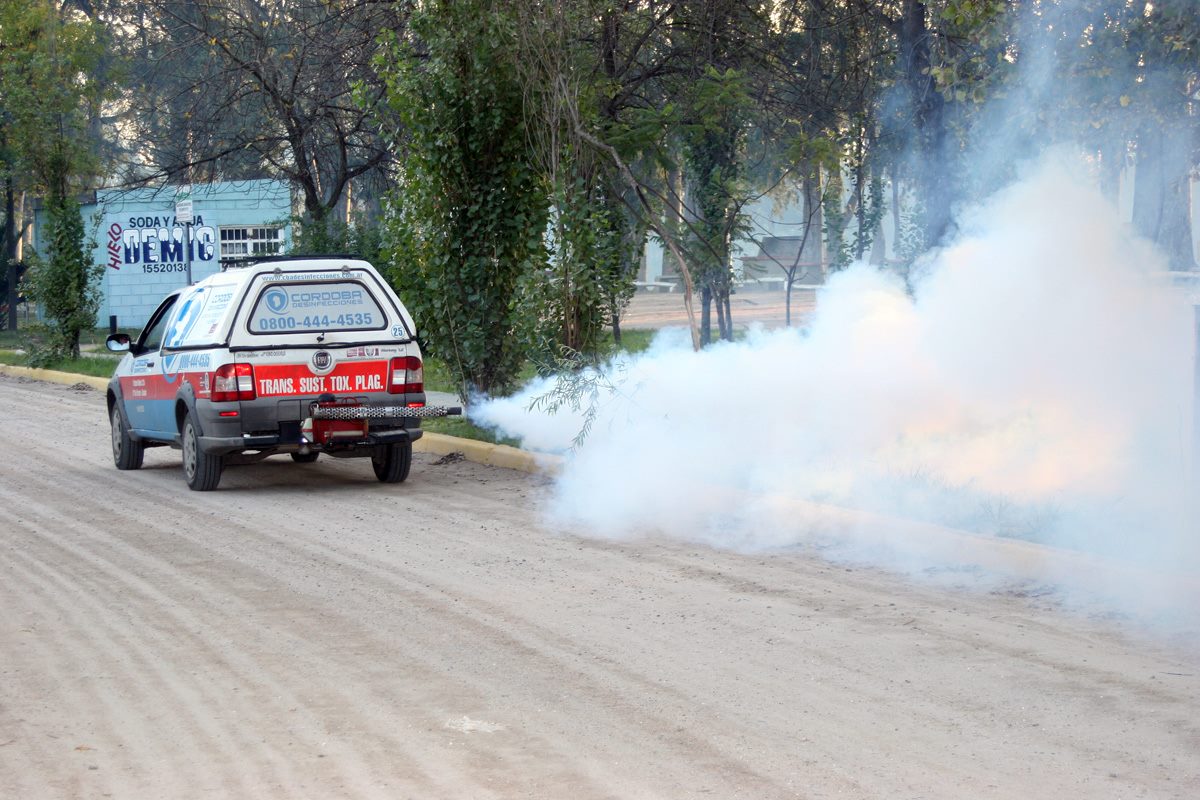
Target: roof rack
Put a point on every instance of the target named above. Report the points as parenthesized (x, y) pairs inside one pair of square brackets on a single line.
[(250, 261)]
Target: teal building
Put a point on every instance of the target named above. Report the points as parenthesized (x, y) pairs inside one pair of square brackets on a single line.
[(146, 250)]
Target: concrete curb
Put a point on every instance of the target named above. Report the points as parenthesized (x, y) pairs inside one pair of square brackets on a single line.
[(492, 455), (54, 376)]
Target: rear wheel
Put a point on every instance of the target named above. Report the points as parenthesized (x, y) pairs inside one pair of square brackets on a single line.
[(202, 470), (392, 462), (305, 458), (127, 453)]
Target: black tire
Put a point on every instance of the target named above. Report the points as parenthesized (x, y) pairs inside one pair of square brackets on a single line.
[(127, 453), (201, 470), (392, 462), (305, 458)]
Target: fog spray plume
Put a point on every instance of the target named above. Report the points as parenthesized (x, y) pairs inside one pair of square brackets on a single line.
[(1036, 384)]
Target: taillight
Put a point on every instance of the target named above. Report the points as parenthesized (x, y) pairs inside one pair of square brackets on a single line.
[(406, 375), (233, 382)]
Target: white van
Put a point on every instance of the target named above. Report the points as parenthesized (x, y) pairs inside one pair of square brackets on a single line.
[(297, 355)]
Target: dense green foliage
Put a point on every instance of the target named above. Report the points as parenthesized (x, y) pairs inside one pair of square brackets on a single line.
[(713, 136), (65, 282), (507, 160), (469, 210), (586, 263), (328, 237), (48, 86), (591, 72)]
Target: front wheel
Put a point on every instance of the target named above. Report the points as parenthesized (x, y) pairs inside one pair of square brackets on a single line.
[(202, 470), (305, 458), (392, 462), (127, 453)]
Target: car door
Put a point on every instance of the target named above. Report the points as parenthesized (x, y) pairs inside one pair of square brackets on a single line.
[(149, 398)]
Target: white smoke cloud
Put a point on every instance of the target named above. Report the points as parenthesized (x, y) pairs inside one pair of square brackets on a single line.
[(1037, 384)]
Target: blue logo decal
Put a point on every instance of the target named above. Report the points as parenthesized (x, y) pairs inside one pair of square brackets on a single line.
[(188, 314), (277, 300), (169, 370)]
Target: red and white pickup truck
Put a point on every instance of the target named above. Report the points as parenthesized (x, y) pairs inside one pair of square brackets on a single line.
[(297, 355)]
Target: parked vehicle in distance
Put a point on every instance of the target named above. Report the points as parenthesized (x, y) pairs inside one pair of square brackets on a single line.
[(288, 355)]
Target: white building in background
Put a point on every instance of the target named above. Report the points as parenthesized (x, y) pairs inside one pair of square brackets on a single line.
[(776, 231), (777, 227)]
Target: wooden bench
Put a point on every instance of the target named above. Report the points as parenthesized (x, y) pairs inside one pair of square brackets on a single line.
[(775, 254), (655, 286), (766, 282)]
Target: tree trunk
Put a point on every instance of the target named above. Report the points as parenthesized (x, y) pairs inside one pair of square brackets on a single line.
[(10, 250), (860, 210), (1112, 161), (676, 206), (896, 219), (722, 320), (931, 160), (1162, 210), (787, 300), (812, 249)]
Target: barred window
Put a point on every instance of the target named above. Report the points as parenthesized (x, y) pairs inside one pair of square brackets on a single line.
[(242, 243)]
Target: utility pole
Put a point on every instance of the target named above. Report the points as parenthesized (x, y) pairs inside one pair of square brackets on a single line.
[(183, 213)]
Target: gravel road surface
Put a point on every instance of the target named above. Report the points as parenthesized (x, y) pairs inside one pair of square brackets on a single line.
[(306, 632)]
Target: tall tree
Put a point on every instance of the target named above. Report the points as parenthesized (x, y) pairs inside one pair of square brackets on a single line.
[(633, 58), (251, 88), (48, 84), (830, 66), (722, 40), (1166, 41), (66, 282), (932, 161), (1115, 76), (468, 217), (592, 72)]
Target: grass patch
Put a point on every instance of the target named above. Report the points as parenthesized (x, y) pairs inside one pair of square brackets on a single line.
[(11, 340), (96, 366), (437, 376), (635, 341), (462, 428)]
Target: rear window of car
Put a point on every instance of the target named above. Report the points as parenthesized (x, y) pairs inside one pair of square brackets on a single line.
[(316, 307)]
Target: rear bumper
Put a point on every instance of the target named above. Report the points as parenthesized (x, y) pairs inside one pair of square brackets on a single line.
[(274, 424), (221, 445)]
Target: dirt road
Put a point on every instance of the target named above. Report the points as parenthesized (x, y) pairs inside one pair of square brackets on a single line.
[(305, 632)]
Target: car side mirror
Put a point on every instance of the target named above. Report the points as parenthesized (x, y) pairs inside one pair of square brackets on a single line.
[(118, 342)]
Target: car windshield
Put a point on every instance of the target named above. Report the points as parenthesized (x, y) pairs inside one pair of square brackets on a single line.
[(316, 307)]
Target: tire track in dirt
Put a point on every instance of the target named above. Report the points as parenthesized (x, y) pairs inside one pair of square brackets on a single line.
[(499, 635), (160, 642), (155, 602), (159, 601), (437, 642), (81, 607), (485, 622)]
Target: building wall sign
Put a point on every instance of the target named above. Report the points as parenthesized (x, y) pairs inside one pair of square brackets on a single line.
[(156, 244), (144, 243)]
